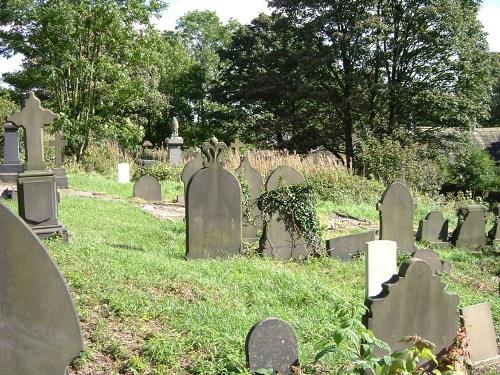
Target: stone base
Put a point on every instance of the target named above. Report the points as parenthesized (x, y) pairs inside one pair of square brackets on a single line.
[(9, 172), (47, 232), (61, 178), (175, 150), (440, 244)]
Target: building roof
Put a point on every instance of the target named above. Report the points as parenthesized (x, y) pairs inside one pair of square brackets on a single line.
[(489, 140)]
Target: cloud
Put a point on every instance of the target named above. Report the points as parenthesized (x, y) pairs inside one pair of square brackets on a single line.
[(489, 15)]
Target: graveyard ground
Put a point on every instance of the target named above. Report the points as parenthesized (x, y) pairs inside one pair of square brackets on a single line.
[(145, 309)]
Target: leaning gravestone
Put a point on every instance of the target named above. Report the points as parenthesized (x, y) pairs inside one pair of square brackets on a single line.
[(12, 164), (346, 247), (494, 233), (276, 240), (380, 265), (147, 188), (253, 179), (36, 186), (470, 231), (481, 336), (433, 229), (396, 216), (40, 328), (213, 207), (271, 345), (59, 143), (432, 258), (413, 303)]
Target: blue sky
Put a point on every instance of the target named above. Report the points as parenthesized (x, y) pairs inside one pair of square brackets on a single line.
[(245, 10)]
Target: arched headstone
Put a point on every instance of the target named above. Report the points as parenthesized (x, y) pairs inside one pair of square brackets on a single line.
[(471, 229), (396, 216), (40, 331), (433, 229), (276, 240), (432, 258), (254, 180), (190, 168), (213, 207), (413, 303), (147, 188), (271, 344)]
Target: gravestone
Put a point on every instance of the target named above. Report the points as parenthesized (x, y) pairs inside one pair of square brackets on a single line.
[(413, 303), (471, 227), (480, 330), (36, 186), (123, 173), (276, 240), (346, 247), (494, 233), (40, 328), (432, 258), (190, 168), (380, 265), (147, 188), (213, 207), (236, 146), (59, 143), (254, 181), (175, 144), (271, 344), (12, 164), (433, 229), (396, 216)]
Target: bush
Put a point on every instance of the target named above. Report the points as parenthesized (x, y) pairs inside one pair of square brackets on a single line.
[(160, 171), (102, 159)]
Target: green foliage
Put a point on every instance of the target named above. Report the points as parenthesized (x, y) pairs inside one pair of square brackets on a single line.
[(101, 158), (247, 203), (161, 171), (296, 204)]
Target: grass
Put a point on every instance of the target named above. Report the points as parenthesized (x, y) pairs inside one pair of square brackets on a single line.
[(145, 309)]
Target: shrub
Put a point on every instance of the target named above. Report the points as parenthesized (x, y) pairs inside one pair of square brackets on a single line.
[(102, 158), (160, 171)]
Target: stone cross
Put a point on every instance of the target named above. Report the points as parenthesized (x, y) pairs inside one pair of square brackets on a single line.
[(236, 145), (59, 143), (33, 118)]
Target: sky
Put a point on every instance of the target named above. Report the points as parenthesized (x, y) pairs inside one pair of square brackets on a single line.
[(245, 10)]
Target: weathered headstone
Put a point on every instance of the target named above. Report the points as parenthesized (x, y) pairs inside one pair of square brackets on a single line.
[(396, 216), (346, 247), (432, 258), (414, 302), (380, 265), (12, 164), (480, 330), (36, 186), (40, 328), (236, 146), (276, 240), (190, 168), (494, 233), (59, 143), (471, 228), (147, 188), (271, 344), (175, 144), (213, 207), (123, 173), (254, 181), (433, 229)]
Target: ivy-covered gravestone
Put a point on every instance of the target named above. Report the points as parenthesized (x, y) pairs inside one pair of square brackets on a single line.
[(252, 179), (213, 207), (277, 239)]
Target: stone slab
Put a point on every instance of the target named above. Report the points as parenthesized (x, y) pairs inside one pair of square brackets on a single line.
[(40, 328), (432, 258), (433, 229), (283, 175), (190, 168), (380, 265), (123, 173), (470, 232), (62, 180), (482, 342), (271, 344), (346, 247), (175, 150), (147, 188)]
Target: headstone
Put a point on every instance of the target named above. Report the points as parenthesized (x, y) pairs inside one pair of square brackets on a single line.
[(236, 146), (123, 173), (213, 207), (396, 216), (323, 156), (147, 188), (346, 247), (380, 265), (480, 330), (433, 229), (432, 258), (12, 164), (470, 232), (494, 233), (413, 303), (40, 328), (190, 168), (253, 179), (175, 144), (36, 186), (59, 143), (271, 345), (276, 240)]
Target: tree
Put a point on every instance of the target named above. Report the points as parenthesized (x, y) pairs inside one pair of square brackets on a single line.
[(494, 118)]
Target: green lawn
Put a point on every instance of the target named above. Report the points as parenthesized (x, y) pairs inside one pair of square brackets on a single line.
[(144, 308)]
